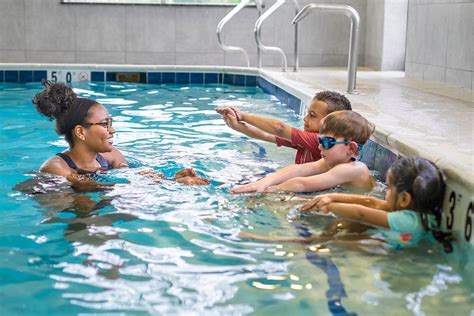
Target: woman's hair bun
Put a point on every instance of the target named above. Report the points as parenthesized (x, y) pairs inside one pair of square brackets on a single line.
[(54, 100)]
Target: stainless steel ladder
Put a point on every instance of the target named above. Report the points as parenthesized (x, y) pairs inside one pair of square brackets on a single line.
[(354, 37), (226, 19), (257, 32)]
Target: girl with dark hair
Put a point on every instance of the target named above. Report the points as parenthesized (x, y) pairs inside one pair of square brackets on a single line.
[(411, 209), (87, 127), (410, 212)]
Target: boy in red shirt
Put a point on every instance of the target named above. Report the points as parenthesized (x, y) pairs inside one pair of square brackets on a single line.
[(275, 131)]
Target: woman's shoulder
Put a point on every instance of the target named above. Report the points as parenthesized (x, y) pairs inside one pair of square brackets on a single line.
[(56, 165), (115, 158)]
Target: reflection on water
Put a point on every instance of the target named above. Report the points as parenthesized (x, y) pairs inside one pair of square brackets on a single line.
[(158, 247)]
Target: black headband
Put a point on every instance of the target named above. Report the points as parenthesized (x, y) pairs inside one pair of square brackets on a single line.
[(77, 112)]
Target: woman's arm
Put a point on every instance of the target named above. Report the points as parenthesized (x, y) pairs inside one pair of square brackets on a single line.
[(280, 176)]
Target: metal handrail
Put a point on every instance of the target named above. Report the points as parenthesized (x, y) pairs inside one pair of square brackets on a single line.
[(257, 31), (354, 38), (226, 19), (297, 9)]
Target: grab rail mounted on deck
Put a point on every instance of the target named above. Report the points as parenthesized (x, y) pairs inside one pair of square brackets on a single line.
[(354, 38), (226, 19), (257, 32)]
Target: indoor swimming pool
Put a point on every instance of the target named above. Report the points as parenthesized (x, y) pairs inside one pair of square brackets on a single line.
[(159, 247)]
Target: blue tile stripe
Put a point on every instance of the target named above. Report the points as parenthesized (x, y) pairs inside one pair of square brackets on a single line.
[(286, 98)]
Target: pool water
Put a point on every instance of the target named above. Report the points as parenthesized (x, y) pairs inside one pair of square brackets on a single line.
[(148, 247)]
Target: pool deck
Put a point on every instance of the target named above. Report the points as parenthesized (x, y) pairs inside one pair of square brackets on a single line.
[(412, 117)]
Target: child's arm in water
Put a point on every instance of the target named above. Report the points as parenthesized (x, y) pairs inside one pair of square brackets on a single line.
[(282, 175), (363, 200), (231, 120), (300, 239), (268, 125), (360, 213), (353, 174)]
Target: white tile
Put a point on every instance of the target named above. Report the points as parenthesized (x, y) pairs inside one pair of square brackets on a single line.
[(200, 58), (100, 57), (436, 34), (459, 78), (49, 26), (434, 73), (12, 56), (150, 58), (35, 56), (460, 40), (414, 70), (12, 24), (415, 50), (100, 28), (150, 29), (196, 30)]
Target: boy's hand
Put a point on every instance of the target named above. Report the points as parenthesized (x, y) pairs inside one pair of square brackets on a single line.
[(229, 111), (247, 188), (319, 203), (273, 188), (232, 122)]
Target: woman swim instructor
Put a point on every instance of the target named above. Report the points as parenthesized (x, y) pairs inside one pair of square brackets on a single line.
[(86, 126)]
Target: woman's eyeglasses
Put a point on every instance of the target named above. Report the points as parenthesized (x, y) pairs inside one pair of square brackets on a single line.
[(107, 124), (329, 142)]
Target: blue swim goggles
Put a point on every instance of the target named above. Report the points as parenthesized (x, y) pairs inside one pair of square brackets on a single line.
[(328, 142)]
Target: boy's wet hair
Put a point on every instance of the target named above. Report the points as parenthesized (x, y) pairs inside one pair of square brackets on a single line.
[(424, 181), (334, 100), (349, 125)]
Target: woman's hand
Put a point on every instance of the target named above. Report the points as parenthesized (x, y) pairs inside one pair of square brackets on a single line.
[(83, 183), (319, 203)]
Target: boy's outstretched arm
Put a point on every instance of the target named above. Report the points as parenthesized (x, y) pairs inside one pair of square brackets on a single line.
[(280, 176), (268, 125), (249, 130)]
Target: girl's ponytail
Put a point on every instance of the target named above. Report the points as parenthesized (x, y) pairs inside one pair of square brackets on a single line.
[(426, 183)]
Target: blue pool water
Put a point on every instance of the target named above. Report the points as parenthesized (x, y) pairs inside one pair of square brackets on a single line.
[(163, 248)]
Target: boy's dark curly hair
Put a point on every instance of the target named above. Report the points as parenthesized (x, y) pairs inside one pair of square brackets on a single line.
[(334, 100)]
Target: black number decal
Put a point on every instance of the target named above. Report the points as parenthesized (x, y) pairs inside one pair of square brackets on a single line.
[(468, 227), (450, 219), (68, 77), (54, 77)]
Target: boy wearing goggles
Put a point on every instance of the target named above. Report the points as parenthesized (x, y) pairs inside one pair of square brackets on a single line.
[(275, 131), (341, 137)]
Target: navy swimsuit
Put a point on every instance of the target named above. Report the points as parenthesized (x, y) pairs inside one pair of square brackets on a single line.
[(104, 164)]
